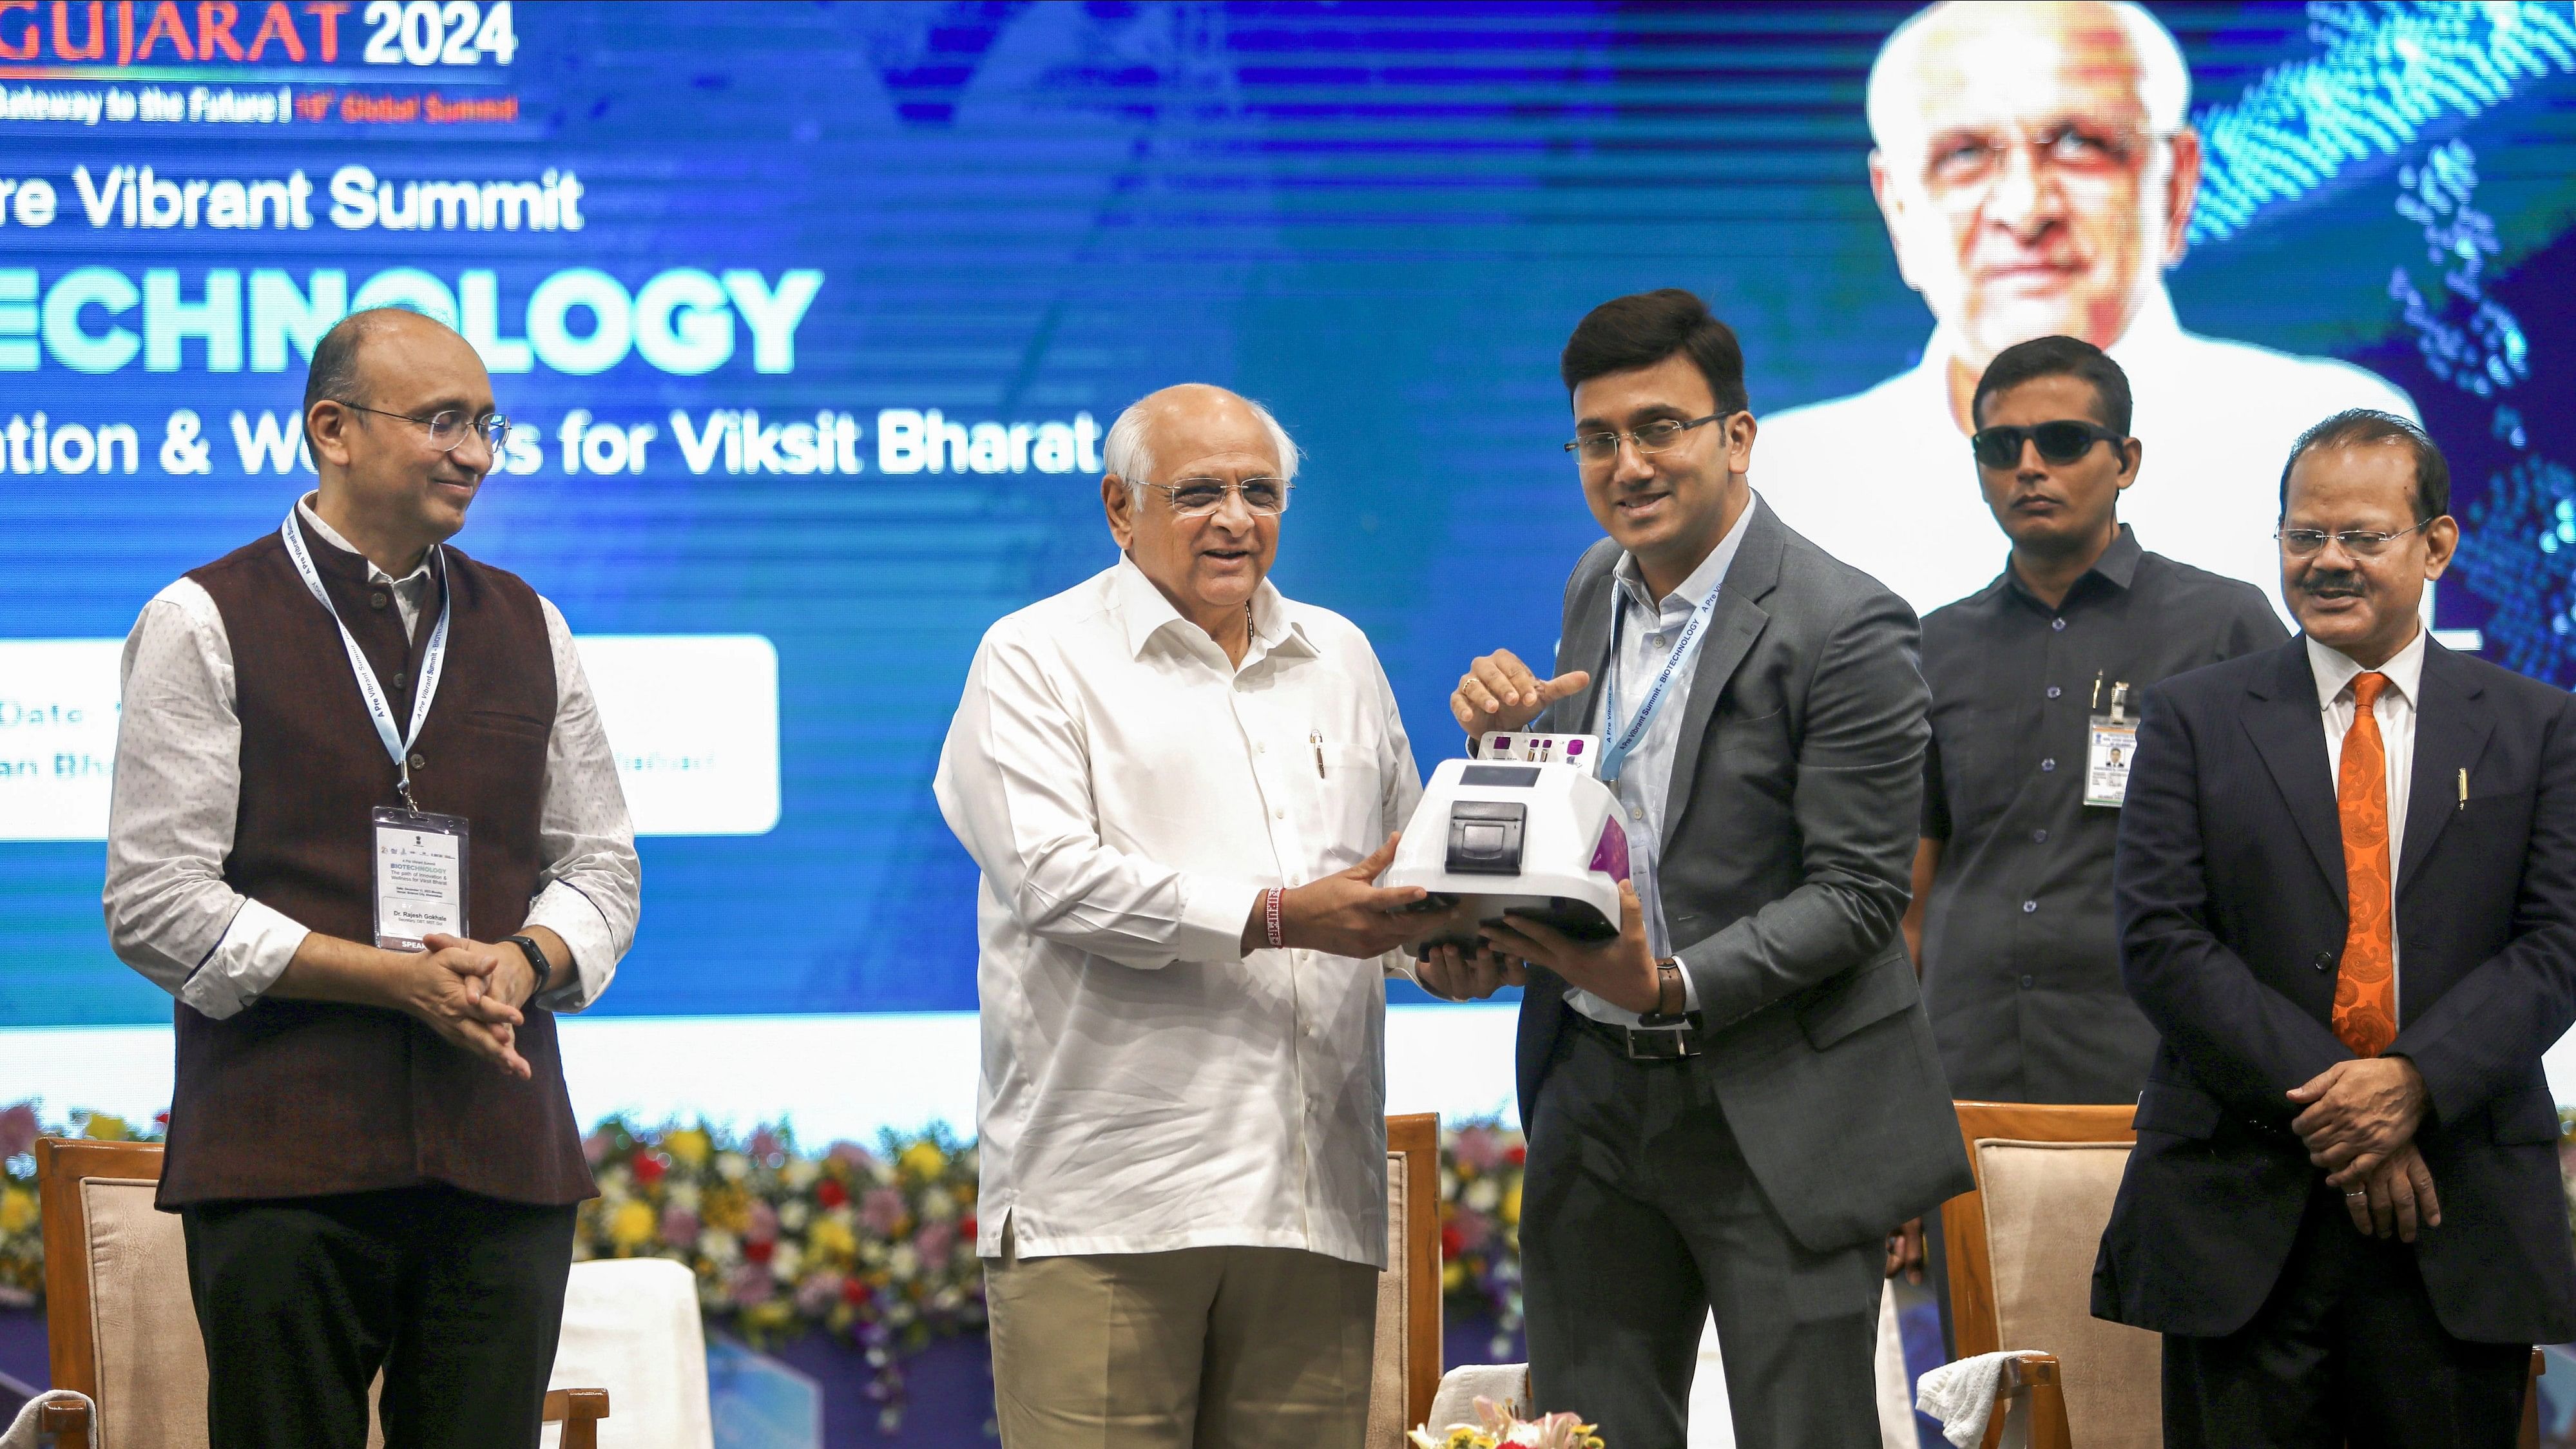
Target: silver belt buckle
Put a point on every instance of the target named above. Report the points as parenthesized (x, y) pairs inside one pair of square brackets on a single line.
[(1660, 1046)]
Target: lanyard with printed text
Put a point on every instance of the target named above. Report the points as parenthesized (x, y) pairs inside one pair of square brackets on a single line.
[(1618, 741), (398, 746)]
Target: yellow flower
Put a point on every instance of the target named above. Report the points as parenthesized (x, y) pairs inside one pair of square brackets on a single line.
[(832, 1238), (632, 1225), (1453, 1277), (923, 1159), (17, 1210), (690, 1146), (1511, 1209), (103, 1128)]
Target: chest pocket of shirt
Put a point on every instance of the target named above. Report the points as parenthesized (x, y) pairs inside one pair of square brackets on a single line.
[(1344, 799)]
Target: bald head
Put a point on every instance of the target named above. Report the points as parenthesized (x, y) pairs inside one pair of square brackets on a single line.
[(1153, 426), (1986, 53), (1209, 551), (2034, 167), (390, 480)]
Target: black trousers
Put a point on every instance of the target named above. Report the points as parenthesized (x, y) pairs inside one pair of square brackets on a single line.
[(2346, 1350), (457, 1298), (1639, 1218)]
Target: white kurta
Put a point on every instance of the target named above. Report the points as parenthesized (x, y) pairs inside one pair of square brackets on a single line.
[(1128, 794)]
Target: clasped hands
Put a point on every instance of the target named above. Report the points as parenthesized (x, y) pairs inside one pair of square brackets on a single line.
[(470, 993), (2358, 1121)]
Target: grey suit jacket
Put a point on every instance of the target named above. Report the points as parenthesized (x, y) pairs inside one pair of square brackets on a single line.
[(1787, 857)]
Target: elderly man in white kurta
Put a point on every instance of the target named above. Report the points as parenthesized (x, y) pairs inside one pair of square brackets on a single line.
[(1180, 785)]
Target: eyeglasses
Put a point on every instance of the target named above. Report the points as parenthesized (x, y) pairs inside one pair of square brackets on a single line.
[(1199, 497), (1651, 438), (2063, 441), (2359, 542), (448, 427)]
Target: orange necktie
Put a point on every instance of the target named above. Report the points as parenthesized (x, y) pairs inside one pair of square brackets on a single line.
[(2365, 1004)]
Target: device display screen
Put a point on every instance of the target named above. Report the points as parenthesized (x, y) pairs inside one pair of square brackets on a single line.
[(1515, 777)]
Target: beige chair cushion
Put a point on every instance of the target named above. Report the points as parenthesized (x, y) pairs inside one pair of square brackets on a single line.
[(151, 1361), (1387, 1396), (2046, 1204)]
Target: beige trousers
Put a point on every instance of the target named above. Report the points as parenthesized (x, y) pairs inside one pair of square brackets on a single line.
[(1198, 1348)]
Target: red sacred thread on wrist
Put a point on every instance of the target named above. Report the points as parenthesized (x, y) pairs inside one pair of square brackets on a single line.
[(1270, 915)]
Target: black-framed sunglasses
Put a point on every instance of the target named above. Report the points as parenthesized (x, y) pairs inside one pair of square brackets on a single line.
[(448, 426), (2062, 441)]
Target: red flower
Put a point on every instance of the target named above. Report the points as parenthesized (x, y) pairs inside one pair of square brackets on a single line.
[(1516, 1154), (966, 1227), (830, 1193), (1452, 1241), (648, 1168), (855, 1291), (759, 1250)]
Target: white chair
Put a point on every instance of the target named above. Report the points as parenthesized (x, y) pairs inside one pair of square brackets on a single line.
[(631, 1326)]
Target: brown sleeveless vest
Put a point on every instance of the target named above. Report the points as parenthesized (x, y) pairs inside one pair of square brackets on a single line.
[(301, 1098)]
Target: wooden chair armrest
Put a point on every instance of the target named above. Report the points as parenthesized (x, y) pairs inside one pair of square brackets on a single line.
[(579, 1411), (2038, 1378), (65, 1425)]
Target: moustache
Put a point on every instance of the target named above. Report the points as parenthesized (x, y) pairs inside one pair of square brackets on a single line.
[(2332, 583)]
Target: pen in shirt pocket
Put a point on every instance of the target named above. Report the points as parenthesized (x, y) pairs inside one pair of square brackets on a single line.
[(2464, 787), (1316, 737)]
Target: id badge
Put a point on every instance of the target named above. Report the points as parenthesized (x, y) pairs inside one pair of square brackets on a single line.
[(420, 877), (2109, 747)]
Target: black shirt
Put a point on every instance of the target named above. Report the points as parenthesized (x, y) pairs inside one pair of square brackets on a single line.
[(2021, 968)]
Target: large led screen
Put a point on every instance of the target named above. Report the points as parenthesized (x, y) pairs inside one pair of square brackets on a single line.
[(812, 317)]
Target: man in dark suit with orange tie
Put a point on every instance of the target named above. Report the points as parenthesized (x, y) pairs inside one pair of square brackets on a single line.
[(2346, 895)]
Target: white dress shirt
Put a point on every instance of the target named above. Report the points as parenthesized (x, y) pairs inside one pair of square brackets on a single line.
[(2395, 712), (1648, 630), (1883, 479), (1129, 793), (170, 914)]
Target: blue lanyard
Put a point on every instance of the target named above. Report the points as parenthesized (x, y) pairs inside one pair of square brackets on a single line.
[(1618, 742), (433, 661)]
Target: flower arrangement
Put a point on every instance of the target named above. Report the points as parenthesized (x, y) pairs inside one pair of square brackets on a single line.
[(1497, 1427), (1480, 1225), (877, 1248), (873, 1246)]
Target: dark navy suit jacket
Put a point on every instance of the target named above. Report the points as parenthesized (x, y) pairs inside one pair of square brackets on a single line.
[(2228, 886)]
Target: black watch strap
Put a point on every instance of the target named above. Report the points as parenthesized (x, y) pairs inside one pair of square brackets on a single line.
[(537, 962)]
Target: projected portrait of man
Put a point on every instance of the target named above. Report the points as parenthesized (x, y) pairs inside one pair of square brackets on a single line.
[(2036, 170)]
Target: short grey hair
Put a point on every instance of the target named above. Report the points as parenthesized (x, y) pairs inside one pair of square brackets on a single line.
[(1124, 452), (2164, 78)]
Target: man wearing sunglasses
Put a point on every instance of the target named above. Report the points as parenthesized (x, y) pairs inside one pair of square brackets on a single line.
[(2035, 683), (366, 829), (1181, 786), (1729, 1103), (2346, 897)]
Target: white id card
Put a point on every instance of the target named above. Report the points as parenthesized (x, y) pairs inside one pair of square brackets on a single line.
[(2110, 744), (420, 877)]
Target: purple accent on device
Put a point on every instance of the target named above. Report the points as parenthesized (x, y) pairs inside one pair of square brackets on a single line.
[(1502, 742), (1611, 856), (1573, 748)]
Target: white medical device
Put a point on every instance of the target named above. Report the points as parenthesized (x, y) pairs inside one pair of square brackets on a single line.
[(1522, 827)]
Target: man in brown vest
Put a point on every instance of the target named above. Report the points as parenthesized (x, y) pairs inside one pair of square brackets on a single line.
[(368, 833)]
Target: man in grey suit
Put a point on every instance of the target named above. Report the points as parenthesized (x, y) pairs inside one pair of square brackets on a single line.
[(1730, 1104)]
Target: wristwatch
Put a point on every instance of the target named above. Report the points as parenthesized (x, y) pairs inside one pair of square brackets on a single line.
[(1668, 988), (536, 962)]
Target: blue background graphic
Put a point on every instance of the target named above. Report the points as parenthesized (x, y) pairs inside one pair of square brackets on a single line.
[(1379, 219)]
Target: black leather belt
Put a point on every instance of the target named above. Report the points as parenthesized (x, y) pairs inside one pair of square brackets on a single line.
[(1667, 1044)]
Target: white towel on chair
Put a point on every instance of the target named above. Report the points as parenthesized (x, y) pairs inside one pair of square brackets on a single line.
[(21, 1434), (1961, 1395), (1507, 1384)]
